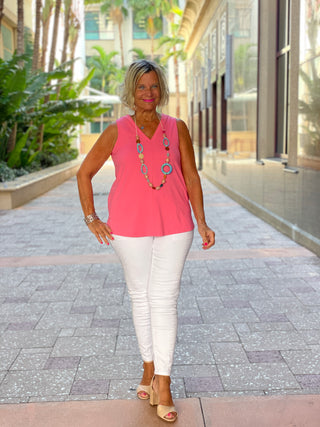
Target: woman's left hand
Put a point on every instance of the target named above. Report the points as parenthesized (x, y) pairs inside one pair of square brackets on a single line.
[(208, 236)]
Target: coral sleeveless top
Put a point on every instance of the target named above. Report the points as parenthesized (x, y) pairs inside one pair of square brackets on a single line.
[(135, 209)]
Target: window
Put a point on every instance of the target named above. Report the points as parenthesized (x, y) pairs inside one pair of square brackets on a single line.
[(107, 32), (92, 25), (283, 57), (196, 89), (7, 39), (309, 86), (242, 22), (98, 127), (223, 29), (214, 49), (202, 88), (139, 29)]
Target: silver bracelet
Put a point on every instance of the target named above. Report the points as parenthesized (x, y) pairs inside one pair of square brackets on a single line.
[(90, 218)]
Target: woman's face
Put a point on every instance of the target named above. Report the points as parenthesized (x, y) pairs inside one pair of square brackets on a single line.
[(147, 93)]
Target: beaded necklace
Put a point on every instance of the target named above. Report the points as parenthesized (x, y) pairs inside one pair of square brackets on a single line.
[(166, 168)]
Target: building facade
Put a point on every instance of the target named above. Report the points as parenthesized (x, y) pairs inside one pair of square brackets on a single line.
[(253, 84), (8, 33), (101, 30)]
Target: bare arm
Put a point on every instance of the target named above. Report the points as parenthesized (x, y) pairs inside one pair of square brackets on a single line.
[(193, 184), (94, 160)]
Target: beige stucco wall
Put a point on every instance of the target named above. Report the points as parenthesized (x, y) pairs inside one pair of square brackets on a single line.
[(10, 11)]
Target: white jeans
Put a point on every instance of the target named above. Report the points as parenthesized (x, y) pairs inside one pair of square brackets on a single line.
[(153, 268)]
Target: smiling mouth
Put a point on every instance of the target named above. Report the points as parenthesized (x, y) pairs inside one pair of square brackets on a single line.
[(148, 100)]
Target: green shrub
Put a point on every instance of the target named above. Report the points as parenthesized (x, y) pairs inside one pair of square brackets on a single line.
[(6, 173), (39, 116)]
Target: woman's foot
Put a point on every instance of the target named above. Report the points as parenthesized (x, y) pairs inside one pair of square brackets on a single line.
[(143, 390), (161, 388)]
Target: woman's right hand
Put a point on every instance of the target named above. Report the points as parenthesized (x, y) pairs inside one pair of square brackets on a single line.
[(101, 230)]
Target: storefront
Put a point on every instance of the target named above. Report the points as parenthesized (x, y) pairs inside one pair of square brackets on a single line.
[(253, 75)]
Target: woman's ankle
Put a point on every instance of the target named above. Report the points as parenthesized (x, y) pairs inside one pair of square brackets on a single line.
[(162, 388), (148, 373), (163, 380)]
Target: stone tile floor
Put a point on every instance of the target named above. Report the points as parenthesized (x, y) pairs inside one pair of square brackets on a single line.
[(249, 309)]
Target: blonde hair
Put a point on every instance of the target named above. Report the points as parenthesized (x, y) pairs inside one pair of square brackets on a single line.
[(133, 75)]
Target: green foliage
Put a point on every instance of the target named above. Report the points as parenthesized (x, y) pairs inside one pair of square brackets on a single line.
[(174, 48), (15, 157), (24, 110), (106, 74), (173, 43), (6, 173), (245, 67), (139, 53), (116, 9), (151, 13)]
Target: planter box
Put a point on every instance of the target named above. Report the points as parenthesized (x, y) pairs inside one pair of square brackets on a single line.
[(25, 188)]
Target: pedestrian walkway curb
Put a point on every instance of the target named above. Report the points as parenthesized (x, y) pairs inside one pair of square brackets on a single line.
[(274, 411)]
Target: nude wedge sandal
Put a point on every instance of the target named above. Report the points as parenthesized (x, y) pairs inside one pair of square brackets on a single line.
[(162, 410), (143, 389)]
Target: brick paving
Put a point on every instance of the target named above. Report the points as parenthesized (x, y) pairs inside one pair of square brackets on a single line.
[(249, 309)]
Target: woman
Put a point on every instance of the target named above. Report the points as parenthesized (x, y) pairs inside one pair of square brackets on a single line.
[(150, 225)]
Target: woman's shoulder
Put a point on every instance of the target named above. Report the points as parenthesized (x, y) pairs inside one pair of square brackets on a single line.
[(173, 120), (168, 120), (111, 131), (124, 121), (181, 124), (124, 118)]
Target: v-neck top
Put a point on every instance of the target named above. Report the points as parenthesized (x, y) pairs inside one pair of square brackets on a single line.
[(135, 209)]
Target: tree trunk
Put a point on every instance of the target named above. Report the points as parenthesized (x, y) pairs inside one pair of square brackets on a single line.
[(152, 47), (51, 62), (20, 28), (1, 16), (67, 10), (121, 43), (46, 15), (12, 138), (73, 45), (36, 45), (20, 51), (54, 34), (73, 39), (40, 137)]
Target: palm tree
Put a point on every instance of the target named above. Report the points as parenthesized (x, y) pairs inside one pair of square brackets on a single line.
[(36, 45), (67, 12), (106, 72), (1, 16), (54, 34), (46, 15), (174, 49), (20, 28), (20, 50), (73, 37), (118, 12), (153, 10), (139, 53), (51, 63)]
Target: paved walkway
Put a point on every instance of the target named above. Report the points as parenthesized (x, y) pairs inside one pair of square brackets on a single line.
[(249, 322)]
